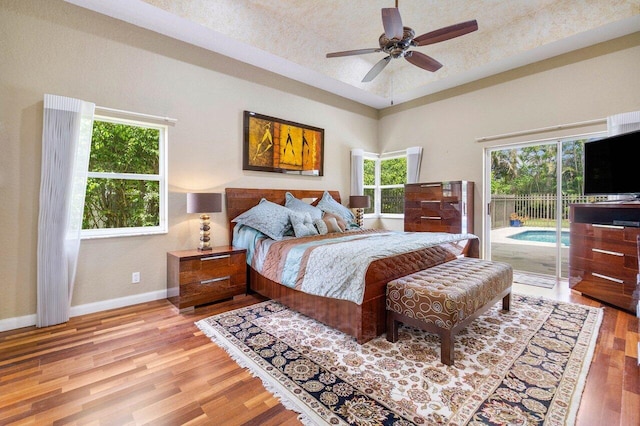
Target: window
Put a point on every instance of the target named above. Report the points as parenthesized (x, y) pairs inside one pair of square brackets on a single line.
[(126, 187), (384, 178)]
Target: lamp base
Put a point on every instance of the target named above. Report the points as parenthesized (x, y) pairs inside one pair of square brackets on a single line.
[(359, 214), (205, 244)]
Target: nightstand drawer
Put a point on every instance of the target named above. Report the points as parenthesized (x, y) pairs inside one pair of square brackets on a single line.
[(198, 293), (196, 278), (211, 267)]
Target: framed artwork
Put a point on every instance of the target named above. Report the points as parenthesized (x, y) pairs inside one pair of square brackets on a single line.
[(281, 146)]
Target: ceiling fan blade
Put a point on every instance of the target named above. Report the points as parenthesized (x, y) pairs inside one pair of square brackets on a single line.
[(423, 61), (353, 52), (446, 33), (392, 23), (373, 72)]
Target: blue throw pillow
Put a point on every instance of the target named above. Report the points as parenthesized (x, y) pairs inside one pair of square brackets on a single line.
[(329, 205), (302, 224), (300, 206), (269, 218)]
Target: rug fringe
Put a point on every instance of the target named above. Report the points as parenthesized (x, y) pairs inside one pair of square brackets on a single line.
[(307, 418), (586, 365)]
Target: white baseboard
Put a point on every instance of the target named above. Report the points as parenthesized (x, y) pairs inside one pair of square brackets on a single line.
[(89, 308)]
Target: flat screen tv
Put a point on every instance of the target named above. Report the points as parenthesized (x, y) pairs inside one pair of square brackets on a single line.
[(612, 165)]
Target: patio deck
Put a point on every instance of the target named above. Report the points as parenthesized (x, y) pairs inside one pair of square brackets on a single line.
[(527, 256)]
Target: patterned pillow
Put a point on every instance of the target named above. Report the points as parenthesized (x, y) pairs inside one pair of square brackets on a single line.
[(302, 224), (328, 205), (321, 226), (300, 206), (269, 218)]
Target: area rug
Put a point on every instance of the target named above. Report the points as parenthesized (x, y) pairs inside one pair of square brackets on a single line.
[(525, 366), (537, 280)]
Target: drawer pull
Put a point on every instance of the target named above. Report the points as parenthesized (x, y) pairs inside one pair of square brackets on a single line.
[(604, 277), (222, 256), (597, 225), (613, 253), (430, 185), (431, 217), (213, 280), (430, 201)]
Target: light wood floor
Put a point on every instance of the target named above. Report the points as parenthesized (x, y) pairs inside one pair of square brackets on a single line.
[(148, 364)]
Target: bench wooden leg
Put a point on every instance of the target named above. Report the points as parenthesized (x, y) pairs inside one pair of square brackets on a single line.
[(392, 327), (506, 302), (446, 348)]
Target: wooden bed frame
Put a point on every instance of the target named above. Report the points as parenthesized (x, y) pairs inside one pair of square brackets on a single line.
[(365, 321)]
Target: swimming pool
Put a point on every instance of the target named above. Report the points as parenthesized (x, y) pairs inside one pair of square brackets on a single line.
[(542, 237)]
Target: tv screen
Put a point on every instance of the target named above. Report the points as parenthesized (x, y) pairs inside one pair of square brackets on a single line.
[(611, 165)]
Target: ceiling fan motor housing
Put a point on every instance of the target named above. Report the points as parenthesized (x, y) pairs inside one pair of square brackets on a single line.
[(394, 47)]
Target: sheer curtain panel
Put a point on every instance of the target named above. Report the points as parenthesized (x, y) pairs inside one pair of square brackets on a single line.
[(623, 123), (66, 144), (357, 172), (414, 158)]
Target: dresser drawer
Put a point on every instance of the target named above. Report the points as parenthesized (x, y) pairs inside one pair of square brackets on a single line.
[(614, 233), (424, 191)]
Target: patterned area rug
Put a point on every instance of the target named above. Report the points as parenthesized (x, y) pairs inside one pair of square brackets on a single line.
[(526, 366)]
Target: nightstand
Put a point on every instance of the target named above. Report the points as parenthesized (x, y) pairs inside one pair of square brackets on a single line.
[(197, 277)]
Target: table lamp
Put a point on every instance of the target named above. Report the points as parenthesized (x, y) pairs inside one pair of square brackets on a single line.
[(203, 203), (359, 203)]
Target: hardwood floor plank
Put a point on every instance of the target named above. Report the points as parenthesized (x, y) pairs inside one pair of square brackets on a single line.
[(149, 363)]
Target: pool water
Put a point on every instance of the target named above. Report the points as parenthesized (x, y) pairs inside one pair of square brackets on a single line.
[(542, 237)]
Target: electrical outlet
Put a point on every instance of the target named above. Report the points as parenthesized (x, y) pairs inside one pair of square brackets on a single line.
[(135, 277)]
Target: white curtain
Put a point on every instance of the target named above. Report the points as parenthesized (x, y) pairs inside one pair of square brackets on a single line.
[(66, 144), (357, 172), (414, 158), (623, 123)]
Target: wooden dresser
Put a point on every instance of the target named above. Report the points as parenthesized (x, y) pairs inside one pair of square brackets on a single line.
[(603, 254), (439, 207), (198, 277)]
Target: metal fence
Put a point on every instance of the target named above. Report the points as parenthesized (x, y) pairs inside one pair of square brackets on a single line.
[(533, 209)]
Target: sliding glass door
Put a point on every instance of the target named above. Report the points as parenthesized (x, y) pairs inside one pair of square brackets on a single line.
[(531, 187)]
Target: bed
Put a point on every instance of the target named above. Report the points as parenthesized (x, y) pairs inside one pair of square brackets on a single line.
[(364, 320)]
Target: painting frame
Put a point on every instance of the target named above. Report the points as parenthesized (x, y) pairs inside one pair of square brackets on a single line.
[(272, 144)]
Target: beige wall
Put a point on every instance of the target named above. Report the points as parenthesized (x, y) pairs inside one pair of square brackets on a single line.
[(584, 85), (54, 47)]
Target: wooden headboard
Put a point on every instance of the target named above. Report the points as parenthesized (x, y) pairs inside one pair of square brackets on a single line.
[(239, 200)]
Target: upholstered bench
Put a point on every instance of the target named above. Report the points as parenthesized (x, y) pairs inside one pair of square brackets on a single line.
[(446, 298)]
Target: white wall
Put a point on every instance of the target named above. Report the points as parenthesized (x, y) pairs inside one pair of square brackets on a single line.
[(54, 47)]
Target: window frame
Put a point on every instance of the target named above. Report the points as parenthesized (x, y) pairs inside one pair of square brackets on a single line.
[(161, 178), (377, 187)]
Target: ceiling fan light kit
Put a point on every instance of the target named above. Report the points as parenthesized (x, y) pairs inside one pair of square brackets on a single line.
[(398, 39)]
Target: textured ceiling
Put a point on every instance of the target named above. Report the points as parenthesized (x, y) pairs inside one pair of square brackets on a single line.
[(292, 37)]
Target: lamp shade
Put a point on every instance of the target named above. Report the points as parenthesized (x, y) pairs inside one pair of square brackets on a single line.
[(359, 202), (204, 202)]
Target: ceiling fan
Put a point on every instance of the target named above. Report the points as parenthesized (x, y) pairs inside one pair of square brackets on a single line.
[(397, 40)]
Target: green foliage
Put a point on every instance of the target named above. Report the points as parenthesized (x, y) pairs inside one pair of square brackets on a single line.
[(122, 203), (532, 170), (369, 172), (393, 171)]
